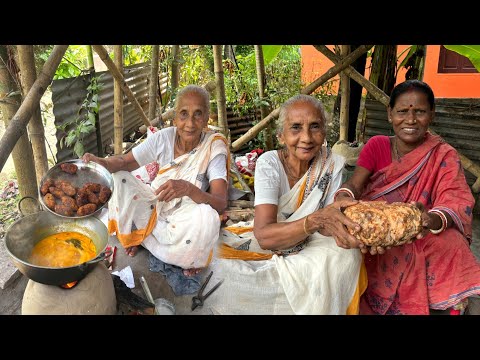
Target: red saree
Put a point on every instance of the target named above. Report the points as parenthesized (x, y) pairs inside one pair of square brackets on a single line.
[(435, 272)]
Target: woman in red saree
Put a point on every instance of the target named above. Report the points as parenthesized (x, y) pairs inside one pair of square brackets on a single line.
[(437, 271)]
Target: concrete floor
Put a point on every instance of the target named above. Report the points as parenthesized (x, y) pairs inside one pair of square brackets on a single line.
[(11, 297)]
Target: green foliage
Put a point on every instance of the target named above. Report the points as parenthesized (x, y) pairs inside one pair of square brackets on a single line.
[(84, 123), (472, 52), (136, 54), (270, 52)]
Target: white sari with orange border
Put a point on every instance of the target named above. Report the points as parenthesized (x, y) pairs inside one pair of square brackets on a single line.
[(321, 278), (179, 232)]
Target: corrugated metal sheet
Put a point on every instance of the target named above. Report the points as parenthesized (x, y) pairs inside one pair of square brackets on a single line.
[(68, 95), (456, 120), (239, 125)]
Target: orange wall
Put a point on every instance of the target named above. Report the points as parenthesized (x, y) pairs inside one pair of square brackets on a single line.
[(316, 64)]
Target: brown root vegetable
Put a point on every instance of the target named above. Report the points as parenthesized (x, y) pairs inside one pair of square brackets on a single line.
[(86, 209), (63, 210), (44, 189), (82, 198), (49, 200), (92, 198), (68, 188), (69, 201), (55, 191), (69, 168), (384, 224), (104, 195), (93, 187)]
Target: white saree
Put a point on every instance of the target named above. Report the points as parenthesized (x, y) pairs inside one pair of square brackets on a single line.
[(179, 232), (319, 279)]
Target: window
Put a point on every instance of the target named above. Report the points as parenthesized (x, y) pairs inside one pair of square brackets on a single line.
[(451, 62)]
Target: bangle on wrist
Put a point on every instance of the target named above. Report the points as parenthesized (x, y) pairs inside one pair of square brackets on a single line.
[(305, 226), (443, 218), (345, 190)]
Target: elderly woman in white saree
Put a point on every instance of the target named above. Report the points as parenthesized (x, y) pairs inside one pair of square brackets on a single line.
[(299, 258), (177, 217)]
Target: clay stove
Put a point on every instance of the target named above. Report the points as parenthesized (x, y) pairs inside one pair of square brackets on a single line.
[(93, 295)]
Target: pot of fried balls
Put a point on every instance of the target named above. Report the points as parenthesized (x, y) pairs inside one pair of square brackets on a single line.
[(73, 189)]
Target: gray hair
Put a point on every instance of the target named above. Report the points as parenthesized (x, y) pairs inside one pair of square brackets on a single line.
[(196, 90), (317, 104)]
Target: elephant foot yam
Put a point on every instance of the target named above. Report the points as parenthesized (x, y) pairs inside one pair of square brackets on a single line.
[(384, 224)]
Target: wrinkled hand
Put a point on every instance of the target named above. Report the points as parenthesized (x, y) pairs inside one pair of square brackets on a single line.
[(173, 189), (330, 221), (90, 157)]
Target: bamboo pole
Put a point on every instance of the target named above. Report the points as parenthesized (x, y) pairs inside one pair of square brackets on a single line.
[(338, 66), (268, 133), (355, 75), (152, 94), (220, 89), (250, 134), (175, 67), (118, 103), (103, 54), (22, 154), (18, 124), (36, 130), (98, 130), (345, 100), (385, 99)]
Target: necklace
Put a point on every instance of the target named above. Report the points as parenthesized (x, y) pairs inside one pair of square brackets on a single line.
[(395, 149), (287, 168)]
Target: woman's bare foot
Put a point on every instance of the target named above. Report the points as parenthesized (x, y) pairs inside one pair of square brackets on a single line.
[(131, 251), (191, 272)]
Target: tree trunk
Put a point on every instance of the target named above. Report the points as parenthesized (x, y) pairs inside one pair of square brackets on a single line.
[(36, 130), (268, 132), (103, 54), (118, 103), (18, 124), (220, 87), (345, 89), (384, 67), (355, 95), (175, 67), (152, 95), (416, 64), (22, 152), (90, 63)]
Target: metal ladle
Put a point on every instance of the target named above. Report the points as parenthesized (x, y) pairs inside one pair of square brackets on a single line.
[(158, 302)]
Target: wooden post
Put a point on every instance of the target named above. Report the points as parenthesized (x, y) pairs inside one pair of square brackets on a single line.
[(152, 93), (36, 131), (220, 87), (103, 54), (118, 103), (18, 124), (268, 133), (345, 100), (175, 67), (98, 129)]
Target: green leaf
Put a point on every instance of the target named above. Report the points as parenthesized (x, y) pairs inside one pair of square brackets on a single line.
[(270, 52), (78, 149), (472, 52)]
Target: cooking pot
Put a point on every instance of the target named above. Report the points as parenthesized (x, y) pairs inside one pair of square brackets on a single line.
[(26, 232)]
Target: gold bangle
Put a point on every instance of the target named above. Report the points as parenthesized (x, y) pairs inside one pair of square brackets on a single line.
[(305, 226)]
